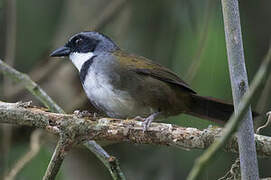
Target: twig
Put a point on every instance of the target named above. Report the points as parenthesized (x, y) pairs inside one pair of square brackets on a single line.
[(34, 149), (117, 130), (232, 125), (60, 151), (234, 173), (30, 86), (110, 162), (239, 84), (268, 122)]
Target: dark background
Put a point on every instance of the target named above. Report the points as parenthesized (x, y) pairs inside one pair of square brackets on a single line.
[(184, 35)]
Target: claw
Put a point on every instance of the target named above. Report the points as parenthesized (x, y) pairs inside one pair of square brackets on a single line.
[(147, 121)]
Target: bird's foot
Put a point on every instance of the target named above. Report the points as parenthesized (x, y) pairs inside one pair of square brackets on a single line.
[(147, 121), (82, 114)]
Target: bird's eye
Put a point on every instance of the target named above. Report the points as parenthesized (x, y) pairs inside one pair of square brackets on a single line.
[(79, 41)]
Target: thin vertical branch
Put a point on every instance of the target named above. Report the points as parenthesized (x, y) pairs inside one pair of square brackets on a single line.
[(56, 160), (110, 162), (232, 126), (239, 83), (266, 124)]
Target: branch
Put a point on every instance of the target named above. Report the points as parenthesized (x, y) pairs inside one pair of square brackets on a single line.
[(234, 121), (234, 173), (267, 123), (85, 129), (239, 84), (60, 151), (109, 161)]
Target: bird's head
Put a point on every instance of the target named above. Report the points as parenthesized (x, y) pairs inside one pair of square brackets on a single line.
[(83, 46)]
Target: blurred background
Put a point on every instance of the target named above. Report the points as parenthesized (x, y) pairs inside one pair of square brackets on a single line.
[(184, 35)]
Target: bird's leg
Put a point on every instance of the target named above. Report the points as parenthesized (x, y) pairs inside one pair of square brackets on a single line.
[(147, 121)]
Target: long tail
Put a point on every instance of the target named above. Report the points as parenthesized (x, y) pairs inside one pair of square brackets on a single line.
[(210, 108)]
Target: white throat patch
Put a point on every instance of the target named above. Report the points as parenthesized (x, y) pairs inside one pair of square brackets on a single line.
[(78, 59)]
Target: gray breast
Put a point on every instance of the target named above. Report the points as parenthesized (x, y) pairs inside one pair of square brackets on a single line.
[(100, 86)]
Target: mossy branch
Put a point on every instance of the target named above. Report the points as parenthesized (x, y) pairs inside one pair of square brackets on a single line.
[(81, 130)]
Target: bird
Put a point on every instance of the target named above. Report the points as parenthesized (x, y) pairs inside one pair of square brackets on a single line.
[(124, 85)]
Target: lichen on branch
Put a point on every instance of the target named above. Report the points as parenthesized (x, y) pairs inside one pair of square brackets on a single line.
[(80, 130)]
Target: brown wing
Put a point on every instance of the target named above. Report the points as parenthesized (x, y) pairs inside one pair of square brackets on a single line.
[(144, 66)]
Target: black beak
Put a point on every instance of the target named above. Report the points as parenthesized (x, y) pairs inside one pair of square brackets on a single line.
[(60, 52)]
